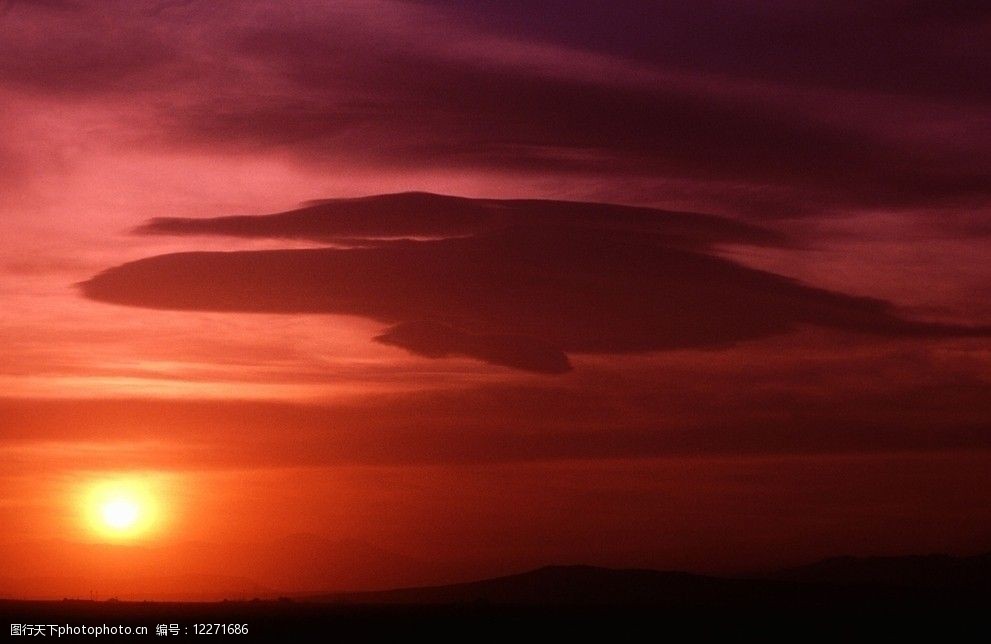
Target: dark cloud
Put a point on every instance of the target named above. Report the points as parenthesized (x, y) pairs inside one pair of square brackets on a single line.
[(759, 153), (67, 48), (766, 109), (434, 340), (52, 5), (413, 215), (578, 288), (929, 49), (644, 415)]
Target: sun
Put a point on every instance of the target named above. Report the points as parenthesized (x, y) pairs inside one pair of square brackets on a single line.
[(121, 509), (120, 514)]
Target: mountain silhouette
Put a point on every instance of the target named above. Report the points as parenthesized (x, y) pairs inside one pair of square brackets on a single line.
[(844, 582), (561, 585), (919, 571), (853, 599)]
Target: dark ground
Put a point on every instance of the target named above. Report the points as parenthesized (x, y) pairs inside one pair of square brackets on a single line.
[(918, 599), (275, 621)]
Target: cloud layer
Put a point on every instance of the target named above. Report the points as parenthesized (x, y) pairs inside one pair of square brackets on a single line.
[(531, 283), (434, 340), (766, 110), (418, 215)]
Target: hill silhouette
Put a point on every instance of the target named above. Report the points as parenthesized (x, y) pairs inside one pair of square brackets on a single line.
[(844, 599), (561, 585), (918, 571), (848, 582)]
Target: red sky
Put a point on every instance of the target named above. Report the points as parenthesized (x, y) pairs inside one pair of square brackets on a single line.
[(558, 383)]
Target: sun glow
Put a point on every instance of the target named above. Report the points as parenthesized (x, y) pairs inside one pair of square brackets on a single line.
[(121, 509), (120, 514)]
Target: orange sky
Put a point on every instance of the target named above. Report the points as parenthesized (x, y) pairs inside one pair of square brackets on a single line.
[(287, 450)]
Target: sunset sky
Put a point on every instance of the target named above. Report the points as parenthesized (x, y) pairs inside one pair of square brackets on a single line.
[(331, 293)]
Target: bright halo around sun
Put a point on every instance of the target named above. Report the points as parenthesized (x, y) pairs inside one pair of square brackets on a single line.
[(121, 513), (121, 509)]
